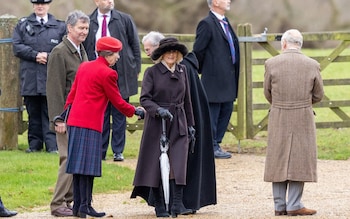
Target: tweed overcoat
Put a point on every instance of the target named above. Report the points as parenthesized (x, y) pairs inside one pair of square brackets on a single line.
[(292, 84), (160, 88), (62, 66)]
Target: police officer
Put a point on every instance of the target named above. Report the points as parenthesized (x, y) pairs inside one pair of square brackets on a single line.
[(33, 39)]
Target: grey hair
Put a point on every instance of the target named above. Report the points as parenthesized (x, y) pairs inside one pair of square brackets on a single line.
[(210, 2), (75, 16), (154, 37), (294, 37)]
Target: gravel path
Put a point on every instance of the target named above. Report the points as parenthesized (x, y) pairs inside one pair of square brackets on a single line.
[(242, 193)]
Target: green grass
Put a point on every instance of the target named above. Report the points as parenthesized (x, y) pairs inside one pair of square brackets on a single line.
[(28, 180)]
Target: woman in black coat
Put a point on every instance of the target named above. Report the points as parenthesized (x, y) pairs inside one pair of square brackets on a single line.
[(165, 94)]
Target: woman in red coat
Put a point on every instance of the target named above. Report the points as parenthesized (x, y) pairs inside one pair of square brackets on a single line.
[(95, 84)]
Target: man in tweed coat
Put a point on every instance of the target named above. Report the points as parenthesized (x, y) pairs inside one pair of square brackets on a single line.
[(292, 84)]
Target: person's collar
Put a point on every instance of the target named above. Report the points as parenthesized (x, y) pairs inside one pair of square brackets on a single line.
[(99, 14), (75, 46), (219, 16), (46, 18), (171, 69)]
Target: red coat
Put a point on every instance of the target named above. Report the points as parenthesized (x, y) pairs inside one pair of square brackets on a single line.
[(95, 83)]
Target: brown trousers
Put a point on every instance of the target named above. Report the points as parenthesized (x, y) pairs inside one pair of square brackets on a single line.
[(64, 186)]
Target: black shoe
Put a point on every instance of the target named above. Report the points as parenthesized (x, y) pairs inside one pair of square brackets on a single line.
[(118, 157), (7, 213), (31, 150), (91, 212), (219, 154)]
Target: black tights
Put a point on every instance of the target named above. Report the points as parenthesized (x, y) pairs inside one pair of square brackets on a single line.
[(82, 187)]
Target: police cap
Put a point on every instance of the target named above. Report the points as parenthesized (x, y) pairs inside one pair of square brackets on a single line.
[(40, 1)]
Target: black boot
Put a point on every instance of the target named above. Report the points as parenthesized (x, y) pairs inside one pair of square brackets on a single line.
[(86, 184), (177, 205), (159, 203), (92, 211), (76, 195), (4, 212)]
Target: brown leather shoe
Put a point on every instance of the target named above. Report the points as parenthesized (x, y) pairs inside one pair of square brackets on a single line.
[(280, 213), (62, 212), (301, 211)]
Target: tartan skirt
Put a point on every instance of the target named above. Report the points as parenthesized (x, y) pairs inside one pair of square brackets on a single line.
[(84, 151)]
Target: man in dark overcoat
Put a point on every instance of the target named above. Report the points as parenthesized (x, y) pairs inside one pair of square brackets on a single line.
[(218, 57), (121, 26)]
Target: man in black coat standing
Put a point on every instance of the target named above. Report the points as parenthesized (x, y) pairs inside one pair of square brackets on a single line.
[(121, 26), (217, 49)]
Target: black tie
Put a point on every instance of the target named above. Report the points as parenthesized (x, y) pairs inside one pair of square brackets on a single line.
[(42, 21)]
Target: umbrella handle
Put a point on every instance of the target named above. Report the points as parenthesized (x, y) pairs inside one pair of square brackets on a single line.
[(163, 139), (163, 126)]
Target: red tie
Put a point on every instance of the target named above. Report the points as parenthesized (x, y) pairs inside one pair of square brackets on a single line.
[(104, 26)]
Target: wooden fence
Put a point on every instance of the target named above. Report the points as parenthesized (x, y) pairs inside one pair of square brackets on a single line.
[(243, 124)]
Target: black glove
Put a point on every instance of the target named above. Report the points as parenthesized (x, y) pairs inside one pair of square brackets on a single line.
[(139, 112), (192, 136), (164, 113)]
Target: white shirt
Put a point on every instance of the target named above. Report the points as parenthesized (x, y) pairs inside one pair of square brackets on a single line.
[(46, 18), (100, 19), (77, 47), (220, 17)]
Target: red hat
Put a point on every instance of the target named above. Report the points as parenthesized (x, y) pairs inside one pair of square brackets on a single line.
[(108, 44)]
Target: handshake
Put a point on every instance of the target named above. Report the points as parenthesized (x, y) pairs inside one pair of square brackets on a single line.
[(140, 112)]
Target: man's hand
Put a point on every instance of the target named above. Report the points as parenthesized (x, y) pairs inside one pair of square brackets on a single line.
[(41, 58), (60, 127)]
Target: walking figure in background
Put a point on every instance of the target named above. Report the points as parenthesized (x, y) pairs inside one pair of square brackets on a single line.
[(33, 39), (165, 95), (292, 84), (107, 21), (217, 50)]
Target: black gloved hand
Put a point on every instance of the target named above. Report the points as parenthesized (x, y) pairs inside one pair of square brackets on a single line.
[(192, 136), (164, 113), (139, 112)]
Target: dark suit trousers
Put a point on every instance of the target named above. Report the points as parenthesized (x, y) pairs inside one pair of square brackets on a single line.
[(118, 130), (38, 128), (220, 114)]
